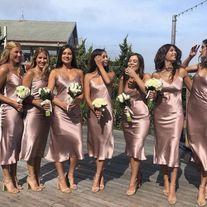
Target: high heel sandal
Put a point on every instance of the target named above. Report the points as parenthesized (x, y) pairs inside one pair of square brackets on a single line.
[(32, 184), (8, 185), (60, 187), (72, 185), (172, 200), (201, 196)]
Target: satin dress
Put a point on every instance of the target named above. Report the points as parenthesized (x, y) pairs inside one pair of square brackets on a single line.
[(11, 124), (36, 127), (197, 120), (66, 130), (135, 132), (100, 139), (168, 123)]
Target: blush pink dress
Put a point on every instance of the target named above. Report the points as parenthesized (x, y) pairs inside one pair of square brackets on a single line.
[(136, 131), (197, 120), (66, 129), (168, 122), (100, 139), (36, 127), (11, 124)]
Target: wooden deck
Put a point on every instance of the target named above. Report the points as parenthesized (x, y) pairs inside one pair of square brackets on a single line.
[(117, 175)]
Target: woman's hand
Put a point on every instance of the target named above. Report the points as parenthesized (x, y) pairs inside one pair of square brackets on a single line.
[(46, 106), (130, 72), (152, 95), (17, 106), (194, 50), (98, 114), (98, 61)]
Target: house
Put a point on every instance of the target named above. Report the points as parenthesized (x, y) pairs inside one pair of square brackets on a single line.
[(32, 34)]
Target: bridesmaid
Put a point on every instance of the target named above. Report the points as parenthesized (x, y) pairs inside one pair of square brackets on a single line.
[(196, 117), (98, 84), (168, 115), (34, 138), (11, 117), (135, 132), (66, 130)]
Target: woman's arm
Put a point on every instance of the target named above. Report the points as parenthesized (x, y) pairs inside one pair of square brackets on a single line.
[(186, 78), (51, 86), (87, 91), (192, 54), (27, 81), (121, 85), (3, 76), (107, 77), (131, 73)]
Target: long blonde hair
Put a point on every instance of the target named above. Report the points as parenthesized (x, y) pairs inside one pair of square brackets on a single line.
[(6, 52)]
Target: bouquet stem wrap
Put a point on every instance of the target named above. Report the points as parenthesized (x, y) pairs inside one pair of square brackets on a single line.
[(46, 97)]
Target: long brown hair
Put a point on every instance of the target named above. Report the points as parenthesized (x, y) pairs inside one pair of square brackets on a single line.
[(34, 58), (160, 59), (140, 70)]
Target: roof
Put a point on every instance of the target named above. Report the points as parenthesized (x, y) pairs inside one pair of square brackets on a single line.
[(34, 31)]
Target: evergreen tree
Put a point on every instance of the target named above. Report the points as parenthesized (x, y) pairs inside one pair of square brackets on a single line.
[(118, 66), (83, 56)]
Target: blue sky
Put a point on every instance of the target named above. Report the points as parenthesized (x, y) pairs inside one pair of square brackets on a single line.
[(105, 23)]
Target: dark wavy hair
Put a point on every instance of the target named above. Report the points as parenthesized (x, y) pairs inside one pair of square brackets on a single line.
[(59, 59), (160, 58), (140, 70), (92, 63), (204, 59)]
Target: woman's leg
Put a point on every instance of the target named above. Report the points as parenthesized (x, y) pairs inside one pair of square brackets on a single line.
[(135, 164), (165, 173), (172, 190), (71, 173), (8, 184), (97, 177), (202, 188), (61, 184), (32, 177), (13, 173), (37, 171)]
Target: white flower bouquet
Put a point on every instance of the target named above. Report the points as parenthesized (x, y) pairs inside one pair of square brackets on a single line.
[(99, 104), (152, 84), (123, 99), (22, 92), (46, 97), (73, 90)]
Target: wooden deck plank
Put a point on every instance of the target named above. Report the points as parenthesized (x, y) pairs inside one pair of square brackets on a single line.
[(117, 175)]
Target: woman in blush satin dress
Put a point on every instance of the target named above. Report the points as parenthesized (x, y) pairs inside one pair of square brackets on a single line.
[(168, 115), (66, 130), (196, 116), (98, 84), (135, 132), (11, 116), (35, 137)]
